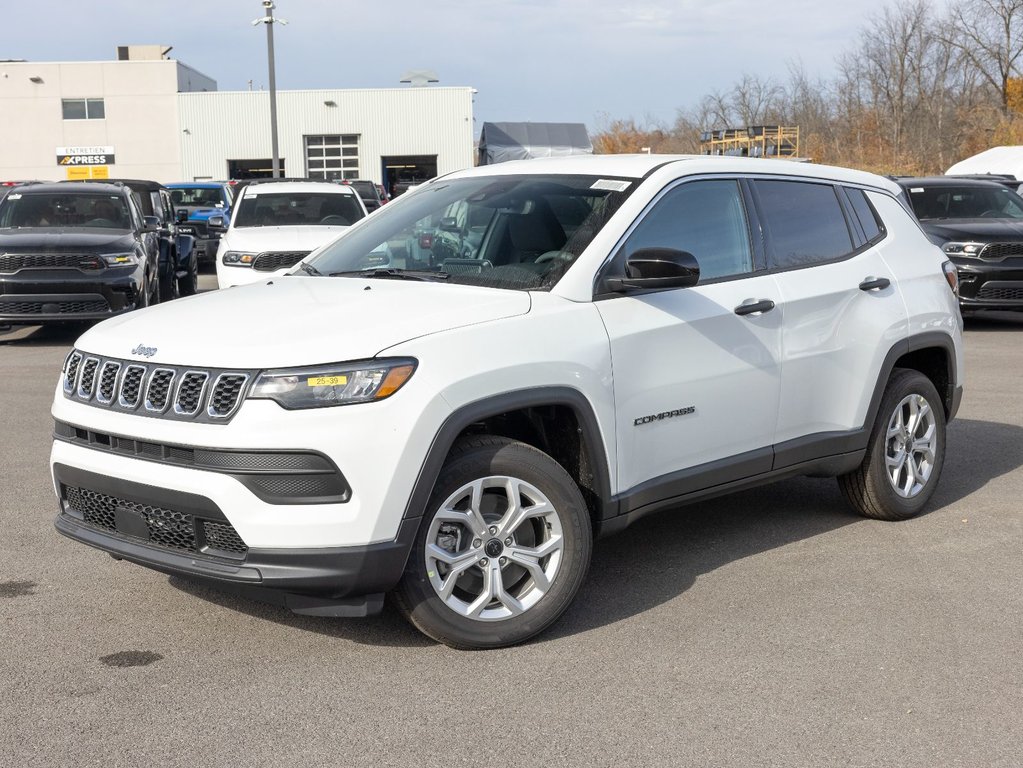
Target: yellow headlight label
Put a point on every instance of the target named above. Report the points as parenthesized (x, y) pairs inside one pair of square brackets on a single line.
[(327, 381)]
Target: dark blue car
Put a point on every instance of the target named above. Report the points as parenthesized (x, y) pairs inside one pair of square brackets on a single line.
[(209, 205)]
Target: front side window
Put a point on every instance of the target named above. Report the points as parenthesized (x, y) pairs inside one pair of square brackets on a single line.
[(48, 209), (804, 222), (83, 109), (296, 209), (515, 232), (705, 218)]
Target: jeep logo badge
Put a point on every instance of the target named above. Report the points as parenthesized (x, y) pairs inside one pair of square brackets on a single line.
[(144, 351)]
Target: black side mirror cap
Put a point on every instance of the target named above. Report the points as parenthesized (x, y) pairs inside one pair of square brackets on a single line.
[(181, 216), (151, 223), (657, 269)]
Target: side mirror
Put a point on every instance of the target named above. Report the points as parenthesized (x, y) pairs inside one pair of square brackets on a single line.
[(657, 269), (216, 221), (448, 224), (151, 223), (181, 216)]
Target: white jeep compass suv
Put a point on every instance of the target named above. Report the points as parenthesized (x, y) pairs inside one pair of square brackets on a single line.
[(617, 335)]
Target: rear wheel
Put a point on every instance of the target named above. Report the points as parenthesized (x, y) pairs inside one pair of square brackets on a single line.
[(502, 550), (905, 453)]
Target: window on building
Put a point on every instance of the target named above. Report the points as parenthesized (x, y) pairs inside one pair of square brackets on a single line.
[(83, 109), (332, 157)]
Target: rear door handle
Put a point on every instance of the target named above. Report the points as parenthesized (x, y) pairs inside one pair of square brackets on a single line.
[(874, 283), (754, 307)]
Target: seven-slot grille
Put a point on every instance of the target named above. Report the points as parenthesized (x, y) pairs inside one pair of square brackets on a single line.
[(207, 395), (271, 260)]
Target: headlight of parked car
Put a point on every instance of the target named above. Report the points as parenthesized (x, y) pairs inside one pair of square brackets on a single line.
[(963, 249), (120, 259), (327, 385), (239, 258)]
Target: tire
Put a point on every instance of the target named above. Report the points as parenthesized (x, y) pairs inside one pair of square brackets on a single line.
[(496, 578), (144, 293), (168, 284), (189, 284), (893, 483)]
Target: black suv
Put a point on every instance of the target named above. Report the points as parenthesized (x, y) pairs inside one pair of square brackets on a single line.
[(179, 258), (368, 191), (75, 251), (979, 224)]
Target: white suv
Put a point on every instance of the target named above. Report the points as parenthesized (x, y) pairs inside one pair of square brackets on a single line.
[(277, 224), (625, 334)]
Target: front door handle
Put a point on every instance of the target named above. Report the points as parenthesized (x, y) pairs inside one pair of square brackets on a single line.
[(874, 283), (754, 307)]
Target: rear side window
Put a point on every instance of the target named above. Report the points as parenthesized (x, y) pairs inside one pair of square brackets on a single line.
[(804, 221), (865, 214)]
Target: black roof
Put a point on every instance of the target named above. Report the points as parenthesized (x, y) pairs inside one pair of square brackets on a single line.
[(954, 181)]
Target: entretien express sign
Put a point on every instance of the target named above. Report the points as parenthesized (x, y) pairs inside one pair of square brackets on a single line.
[(85, 155)]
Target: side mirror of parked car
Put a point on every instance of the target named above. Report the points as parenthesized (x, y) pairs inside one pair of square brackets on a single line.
[(181, 216), (151, 223), (657, 268), (216, 221), (448, 224)]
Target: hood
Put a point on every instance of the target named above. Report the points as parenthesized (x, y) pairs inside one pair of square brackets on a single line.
[(290, 238), (56, 239), (974, 230), (290, 321), (202, 213)]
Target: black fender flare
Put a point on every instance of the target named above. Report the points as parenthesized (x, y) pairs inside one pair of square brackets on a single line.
[(511, 401)]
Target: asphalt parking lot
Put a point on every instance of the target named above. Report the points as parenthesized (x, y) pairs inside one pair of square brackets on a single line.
[(770, 628)]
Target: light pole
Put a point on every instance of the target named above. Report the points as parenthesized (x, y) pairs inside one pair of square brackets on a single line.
[(269, 20)]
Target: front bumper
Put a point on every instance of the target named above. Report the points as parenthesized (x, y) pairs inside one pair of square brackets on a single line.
[(990, 285), (164, 530), (31, 297)]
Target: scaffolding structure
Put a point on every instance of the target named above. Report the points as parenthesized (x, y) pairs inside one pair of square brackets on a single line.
[(752, 141)]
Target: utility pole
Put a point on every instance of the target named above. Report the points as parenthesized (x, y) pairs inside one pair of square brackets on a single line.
[(269, 21)]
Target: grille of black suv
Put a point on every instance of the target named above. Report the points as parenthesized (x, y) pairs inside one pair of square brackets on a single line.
[(1001, 291), (999, 251), (167, 528), (54, 308), (12, 262), (271, 260), (166, 391)]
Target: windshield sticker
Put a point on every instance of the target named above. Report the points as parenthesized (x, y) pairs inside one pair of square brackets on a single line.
[(14, 196), (611, 185), (914, 190)]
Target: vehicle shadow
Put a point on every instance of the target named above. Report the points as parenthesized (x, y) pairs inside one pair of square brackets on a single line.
[(993, 322), (660, 557), (58, 335)]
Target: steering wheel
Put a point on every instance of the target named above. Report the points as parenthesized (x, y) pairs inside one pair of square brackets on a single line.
[(100, 223), (991, 214), (543, 258), (334, 220)]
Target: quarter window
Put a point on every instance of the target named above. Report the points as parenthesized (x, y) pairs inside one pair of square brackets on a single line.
[(804, 222), (705, 218), (865, 214), (83, 109)]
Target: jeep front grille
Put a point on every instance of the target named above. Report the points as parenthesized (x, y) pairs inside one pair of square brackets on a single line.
[(164, 391)]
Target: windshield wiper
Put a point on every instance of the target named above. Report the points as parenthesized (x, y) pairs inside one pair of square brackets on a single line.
[(390, 273), (309, 269)]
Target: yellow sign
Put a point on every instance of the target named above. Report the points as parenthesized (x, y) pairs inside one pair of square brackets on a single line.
[(327, 381), (80, 172)]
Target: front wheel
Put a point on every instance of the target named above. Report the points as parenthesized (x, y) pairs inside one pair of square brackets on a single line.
[(905, 453), (189, 284), (502, 550)]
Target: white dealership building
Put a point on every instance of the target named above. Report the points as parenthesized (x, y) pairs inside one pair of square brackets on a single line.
[(146, 115)]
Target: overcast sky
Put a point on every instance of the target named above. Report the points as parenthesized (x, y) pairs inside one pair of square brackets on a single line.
[(535, 60)]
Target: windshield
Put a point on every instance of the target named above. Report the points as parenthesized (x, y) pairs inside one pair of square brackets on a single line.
[(966, 202), (198, 197), (52, 209), (519, 232), (285, 209)]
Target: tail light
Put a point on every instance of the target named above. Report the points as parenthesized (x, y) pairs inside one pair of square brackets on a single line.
[(426, 241), (951, 276)]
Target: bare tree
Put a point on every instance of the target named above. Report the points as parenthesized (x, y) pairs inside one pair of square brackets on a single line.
[(989, 33)]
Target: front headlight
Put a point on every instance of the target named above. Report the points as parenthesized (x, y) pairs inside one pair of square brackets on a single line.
[(120, 259), (327, 385), (963, 249), (239, 258)]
